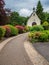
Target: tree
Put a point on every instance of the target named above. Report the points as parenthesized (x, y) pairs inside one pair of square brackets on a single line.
[(48, 19), (3, 16), (16, 19), (46, 16), (39, 11)]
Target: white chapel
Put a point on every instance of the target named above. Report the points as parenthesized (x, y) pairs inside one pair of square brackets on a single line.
[(33, 19)]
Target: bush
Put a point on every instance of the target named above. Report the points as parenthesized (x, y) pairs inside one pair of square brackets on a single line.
[(46, 25), (2, 32), (13, 30), (8, 31), (41, 36), (47, 32), (20, 28), (27, 28), (36, 28)]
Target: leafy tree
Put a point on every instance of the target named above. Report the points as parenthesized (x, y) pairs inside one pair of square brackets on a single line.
[(39, 11), (3, 16), (48, 19), (46, 16), (16, 19)]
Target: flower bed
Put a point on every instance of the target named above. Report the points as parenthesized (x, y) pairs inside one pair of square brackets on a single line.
[(40, 36), (8, 31)]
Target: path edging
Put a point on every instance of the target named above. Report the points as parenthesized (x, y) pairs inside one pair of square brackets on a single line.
[(2, 44), (34, 56)]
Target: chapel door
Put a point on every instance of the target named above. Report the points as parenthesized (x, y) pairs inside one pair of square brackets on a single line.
[(34, 23)]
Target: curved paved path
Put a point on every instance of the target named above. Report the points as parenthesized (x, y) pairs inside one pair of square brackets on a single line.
[(14, 52)]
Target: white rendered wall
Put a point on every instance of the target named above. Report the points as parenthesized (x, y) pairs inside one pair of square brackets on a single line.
[(33, 19)]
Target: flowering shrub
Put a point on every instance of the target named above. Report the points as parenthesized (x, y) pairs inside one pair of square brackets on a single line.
[(8, 31), (41, 36), (27, 28), (2, 32), (14, 31), (20, 28)]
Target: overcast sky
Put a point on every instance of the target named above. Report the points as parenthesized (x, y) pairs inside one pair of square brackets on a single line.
[(25, 7)]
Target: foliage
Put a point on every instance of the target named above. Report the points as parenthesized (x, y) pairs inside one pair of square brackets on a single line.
[(27, 28), (39, 11), (40, 36), (36, 28), (3, 16), (14, 31), (16, 19), (8, 31), (43, 37), (46, 15), (2, 32), (20, 28), (47, 32), (46, 25), (48, 18)]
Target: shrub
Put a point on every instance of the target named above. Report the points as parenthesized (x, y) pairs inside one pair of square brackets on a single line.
[(46, 25), (20, 28), (47, 32), (37, 35), (41, 36), (27, 28), (2, 32), (36, 28), (13, 30), (8, 31)]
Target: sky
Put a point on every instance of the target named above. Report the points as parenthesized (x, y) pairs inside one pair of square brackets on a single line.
[(25, 7)]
